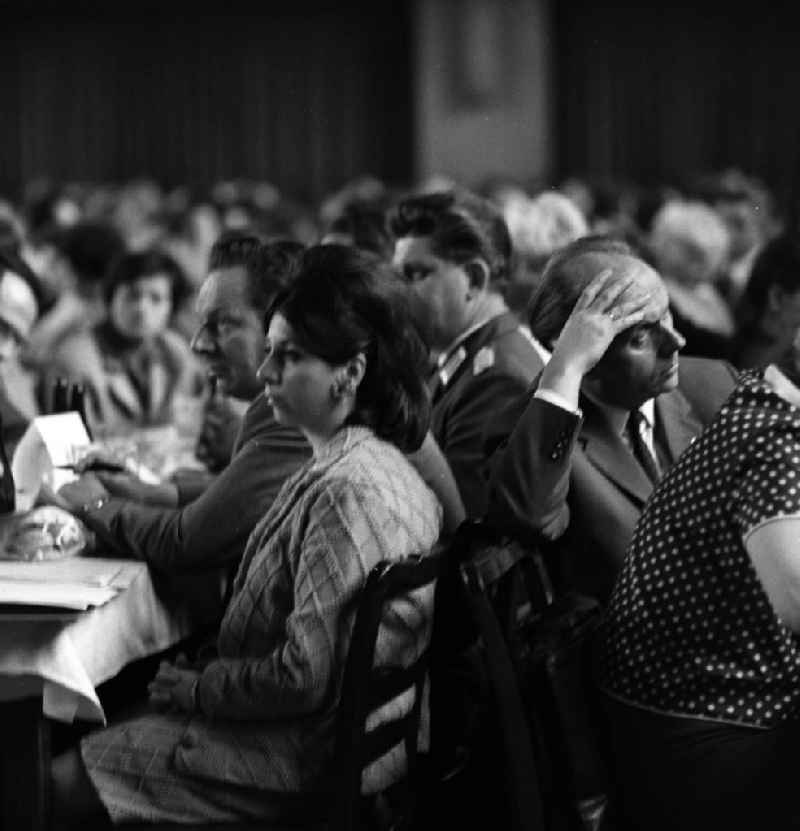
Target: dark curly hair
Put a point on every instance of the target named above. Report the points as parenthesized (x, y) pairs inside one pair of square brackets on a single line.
[(343, 301)]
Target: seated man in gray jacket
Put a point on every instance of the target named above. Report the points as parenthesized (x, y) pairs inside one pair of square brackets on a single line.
[(190, 531)]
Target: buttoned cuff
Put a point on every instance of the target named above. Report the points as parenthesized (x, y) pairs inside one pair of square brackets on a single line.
[(557, 401)]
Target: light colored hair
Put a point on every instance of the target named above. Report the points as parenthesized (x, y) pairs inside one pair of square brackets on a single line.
[(693, 223), (544, 224)]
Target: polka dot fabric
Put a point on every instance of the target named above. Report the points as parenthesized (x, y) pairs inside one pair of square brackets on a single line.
[(689, 629)]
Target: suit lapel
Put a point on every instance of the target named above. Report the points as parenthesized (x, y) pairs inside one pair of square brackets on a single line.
[(609, 454)]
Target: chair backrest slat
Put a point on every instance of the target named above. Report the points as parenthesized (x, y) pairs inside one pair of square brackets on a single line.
[(366, 689), (388, 683)]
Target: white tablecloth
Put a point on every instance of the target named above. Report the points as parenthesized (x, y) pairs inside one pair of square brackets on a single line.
[(65, 660)]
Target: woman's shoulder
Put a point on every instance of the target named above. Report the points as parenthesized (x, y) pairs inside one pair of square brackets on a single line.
[(375, 471)]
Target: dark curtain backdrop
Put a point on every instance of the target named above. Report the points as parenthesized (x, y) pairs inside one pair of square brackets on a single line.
[(661, 92), (303, 94)]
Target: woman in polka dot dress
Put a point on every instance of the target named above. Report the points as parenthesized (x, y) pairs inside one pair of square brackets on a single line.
[(700, 650)]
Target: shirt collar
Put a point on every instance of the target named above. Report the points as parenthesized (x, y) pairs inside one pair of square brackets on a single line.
[(444, 355), (618, 418)]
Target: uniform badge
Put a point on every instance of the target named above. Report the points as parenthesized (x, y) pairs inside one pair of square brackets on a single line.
[(484, 359), (451, 365)]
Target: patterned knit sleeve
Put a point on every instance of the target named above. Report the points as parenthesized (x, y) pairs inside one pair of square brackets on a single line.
[(338, 541)]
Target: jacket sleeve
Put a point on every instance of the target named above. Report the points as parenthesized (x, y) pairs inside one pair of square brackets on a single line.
[(462, 435), (338, 545), (212, 530), (530, 472)]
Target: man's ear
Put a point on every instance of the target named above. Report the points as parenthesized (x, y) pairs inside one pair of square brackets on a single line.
[(477, 272)]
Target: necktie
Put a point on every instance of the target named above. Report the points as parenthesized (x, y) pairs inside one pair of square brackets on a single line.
[(635, 426)]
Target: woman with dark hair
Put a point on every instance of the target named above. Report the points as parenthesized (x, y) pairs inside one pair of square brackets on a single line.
[(769, 310), (132, 363), (249, 734)]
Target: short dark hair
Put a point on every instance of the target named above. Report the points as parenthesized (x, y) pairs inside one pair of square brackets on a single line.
[(268, 265), (563, 280), (366, 224), (91, 247), (11, 261), (777, 263), (343, 301), (461, 226), (135, 265)]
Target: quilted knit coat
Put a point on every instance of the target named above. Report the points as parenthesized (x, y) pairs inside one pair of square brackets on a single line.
[(268, 702)]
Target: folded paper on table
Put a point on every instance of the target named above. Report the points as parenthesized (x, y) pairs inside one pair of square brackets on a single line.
[(91, 571), (50, 443), (55, 595), (78, 583)]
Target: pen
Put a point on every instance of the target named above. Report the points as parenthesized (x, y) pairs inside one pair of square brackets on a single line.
[(103, 467)]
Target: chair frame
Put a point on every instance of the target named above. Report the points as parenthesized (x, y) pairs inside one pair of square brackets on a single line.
[(365, 688)]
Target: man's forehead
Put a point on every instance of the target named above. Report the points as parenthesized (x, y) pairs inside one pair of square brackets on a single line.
[(224, 288), (409, 249), (623, 267)]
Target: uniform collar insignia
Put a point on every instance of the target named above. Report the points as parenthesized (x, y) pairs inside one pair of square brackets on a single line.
[(451, 365)]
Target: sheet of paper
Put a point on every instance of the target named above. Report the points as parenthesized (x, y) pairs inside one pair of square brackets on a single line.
[(89, 571), (49, 442)]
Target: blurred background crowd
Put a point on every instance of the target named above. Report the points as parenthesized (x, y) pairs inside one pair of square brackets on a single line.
[(139, 135)]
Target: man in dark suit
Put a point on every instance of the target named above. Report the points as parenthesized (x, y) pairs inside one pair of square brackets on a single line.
[(575, 459), (454, 250)]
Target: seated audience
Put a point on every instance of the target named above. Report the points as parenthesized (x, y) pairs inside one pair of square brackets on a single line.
[(700, 655), (131, 362), (20, 297), (689, 245), (771, 303), (454, 250), (613, 410), (194, 523), (249, 735)]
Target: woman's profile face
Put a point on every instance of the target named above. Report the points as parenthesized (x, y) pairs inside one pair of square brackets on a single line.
[(141, 309), (298, 384)]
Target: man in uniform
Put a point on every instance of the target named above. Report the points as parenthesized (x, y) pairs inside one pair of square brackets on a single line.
[(454, 249)]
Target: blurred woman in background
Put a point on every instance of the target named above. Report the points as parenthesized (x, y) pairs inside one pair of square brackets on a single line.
[(689, 244), (770, 305), (132, 364)]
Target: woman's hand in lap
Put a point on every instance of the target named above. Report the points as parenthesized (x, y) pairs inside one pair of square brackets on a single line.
[(174, 686)]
